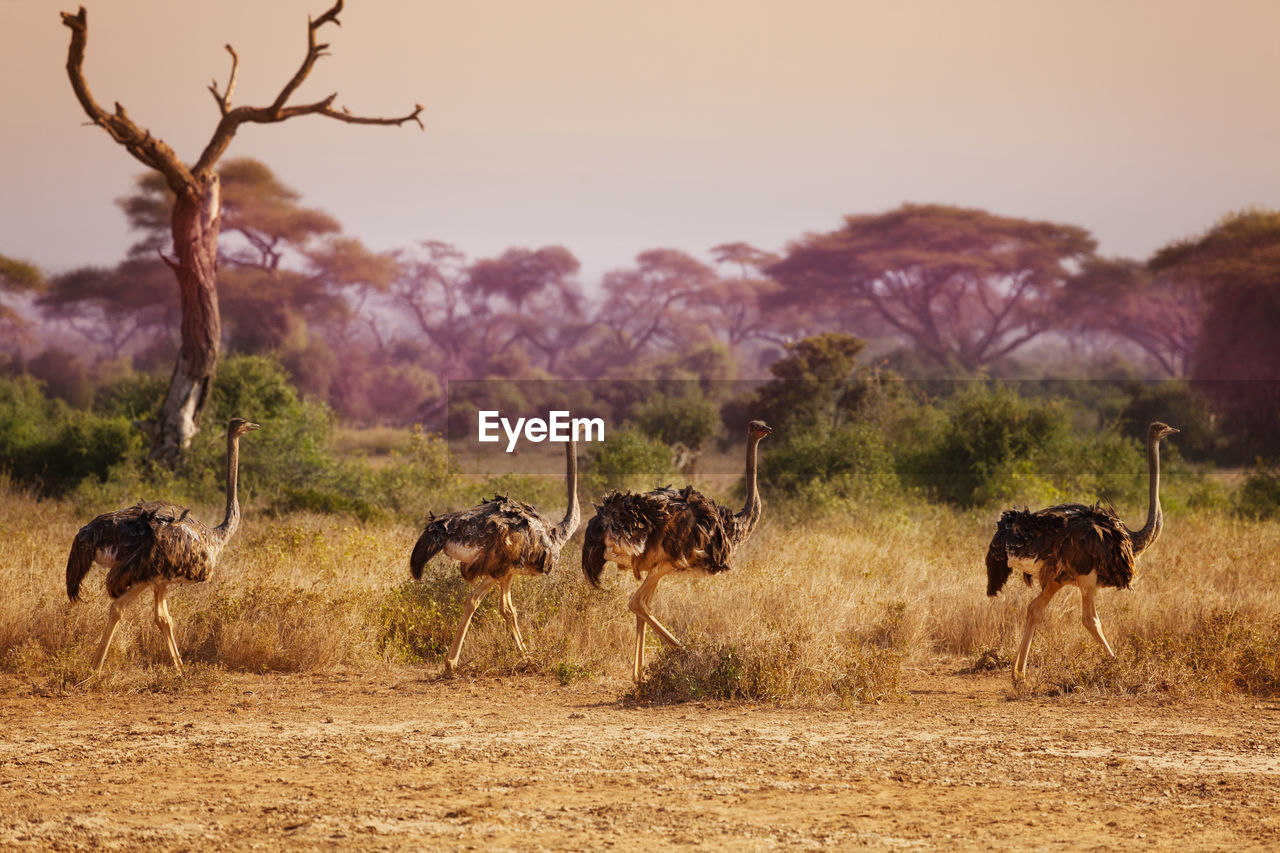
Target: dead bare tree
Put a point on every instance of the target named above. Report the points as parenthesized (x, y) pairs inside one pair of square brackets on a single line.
[(197, 214)]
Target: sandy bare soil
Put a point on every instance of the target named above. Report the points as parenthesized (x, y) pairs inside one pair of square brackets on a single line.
[(406, 760)]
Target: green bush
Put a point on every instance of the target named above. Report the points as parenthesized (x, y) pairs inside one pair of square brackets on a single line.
[(418, 478), (136, 396), (987, 441), (1178, 404), (989, 445), (670, 419), (47, 446), (625, 459), (850, 461), (288, 462), (1259, 495)]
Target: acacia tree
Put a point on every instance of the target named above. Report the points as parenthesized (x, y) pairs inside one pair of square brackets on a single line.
[(963, 286), (546, 302), (651, 305), (197, 214), (283, 265), (1236, 265), (1159, 312), (114, 308), (16, 277)]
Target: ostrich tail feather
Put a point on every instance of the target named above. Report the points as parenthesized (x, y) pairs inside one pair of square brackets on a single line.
[(428, 545)]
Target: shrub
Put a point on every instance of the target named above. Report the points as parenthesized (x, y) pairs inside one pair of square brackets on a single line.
[(1178, 404), (624, 459), (992, 446), (850, 461), (1259, 495), (288, 463), (669, 419), (417, 478), (136, 396), (990, 435), (47, 446)]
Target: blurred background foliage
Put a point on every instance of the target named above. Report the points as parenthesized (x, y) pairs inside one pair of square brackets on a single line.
[(927, 352)]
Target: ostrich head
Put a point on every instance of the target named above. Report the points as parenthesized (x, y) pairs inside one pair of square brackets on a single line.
[(758, 429), (239, 426), (1158, 431)]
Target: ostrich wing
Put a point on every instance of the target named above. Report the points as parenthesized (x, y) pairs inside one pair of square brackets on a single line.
[(125, 539), (593, 550), (1096, 537), (688, 527), (699, 533), (503, 534), (1071, 537)]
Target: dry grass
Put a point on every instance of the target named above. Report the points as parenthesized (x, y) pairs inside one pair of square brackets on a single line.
[(816, 611)]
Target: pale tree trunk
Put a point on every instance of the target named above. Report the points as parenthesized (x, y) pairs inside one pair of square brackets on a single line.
[(196, 222)]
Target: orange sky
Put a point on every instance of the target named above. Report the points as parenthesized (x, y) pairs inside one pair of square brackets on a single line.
[(615, 127)]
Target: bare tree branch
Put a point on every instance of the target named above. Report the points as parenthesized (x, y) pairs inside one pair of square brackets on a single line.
[(314, 52), (278, 109), (224, 101), (151, 152)]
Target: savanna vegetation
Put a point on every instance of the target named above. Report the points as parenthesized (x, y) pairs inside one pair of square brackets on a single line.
[(880, 500), (922, 368)]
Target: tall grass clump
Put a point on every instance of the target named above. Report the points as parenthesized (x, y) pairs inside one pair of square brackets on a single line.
[(1221, 651)]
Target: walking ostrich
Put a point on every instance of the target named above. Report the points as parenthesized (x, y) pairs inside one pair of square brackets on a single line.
[(664, 531), (1074, 544), (154, 544), (494, 542)]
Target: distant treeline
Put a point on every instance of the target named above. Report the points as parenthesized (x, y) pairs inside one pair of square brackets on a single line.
[(937, 292)]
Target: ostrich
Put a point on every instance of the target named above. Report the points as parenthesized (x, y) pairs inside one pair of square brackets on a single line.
[(664, 531), (494, 542), (1084, 546), (154, 544)]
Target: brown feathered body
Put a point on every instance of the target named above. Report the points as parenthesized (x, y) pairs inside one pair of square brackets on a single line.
[(154, 544), (143, 543), (494, 542), (1060, 543), (1074, 545), (668, 531), (681, 527), (489, 540)]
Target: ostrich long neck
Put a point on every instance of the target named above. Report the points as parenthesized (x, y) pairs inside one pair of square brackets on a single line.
[(751, 512), (1144, 538), (573, 514), (231, 521)]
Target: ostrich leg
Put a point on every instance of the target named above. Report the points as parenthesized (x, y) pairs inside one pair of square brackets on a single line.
[(509, 611), (473, 601), (165, 623), (639, 604), (114, 612), (1035, 611), (1089, 613)]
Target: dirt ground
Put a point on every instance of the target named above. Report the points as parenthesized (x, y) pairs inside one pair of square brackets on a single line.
[(406, 760)]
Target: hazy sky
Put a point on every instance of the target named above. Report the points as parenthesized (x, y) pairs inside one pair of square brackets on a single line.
[(613, 127)]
